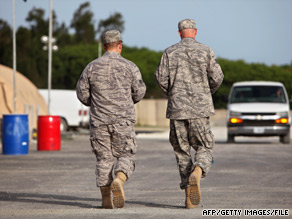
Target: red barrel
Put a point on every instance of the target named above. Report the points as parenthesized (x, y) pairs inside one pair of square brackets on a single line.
[(49, 134)]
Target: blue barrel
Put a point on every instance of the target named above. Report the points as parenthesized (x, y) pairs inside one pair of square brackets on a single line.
[(15, 134)]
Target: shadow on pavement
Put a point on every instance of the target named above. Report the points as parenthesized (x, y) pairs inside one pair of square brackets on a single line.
[(67, 200), (46, 199), (154, 205)]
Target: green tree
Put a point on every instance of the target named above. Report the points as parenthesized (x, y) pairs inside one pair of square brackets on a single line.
[(37, 22), (63, 36), (26, 59), (69, 62), (147, 61), (31, 58), (82, 22), (113, 22), (5, 43)]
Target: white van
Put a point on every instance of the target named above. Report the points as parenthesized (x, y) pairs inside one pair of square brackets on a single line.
[(64, 103), (258, 108)]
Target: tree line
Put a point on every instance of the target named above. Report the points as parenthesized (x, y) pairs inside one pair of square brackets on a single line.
[(77, 49)]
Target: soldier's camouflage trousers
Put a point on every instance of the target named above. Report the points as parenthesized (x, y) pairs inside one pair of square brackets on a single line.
[(109, 142), (195, 133)]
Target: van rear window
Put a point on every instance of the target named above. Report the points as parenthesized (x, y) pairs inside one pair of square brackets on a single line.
[(264, 94)]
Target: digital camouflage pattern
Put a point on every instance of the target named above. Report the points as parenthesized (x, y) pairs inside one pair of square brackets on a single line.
[(110, 142), (188, 74), (187, 134), (111, 85), (187, 24), (111, 36)]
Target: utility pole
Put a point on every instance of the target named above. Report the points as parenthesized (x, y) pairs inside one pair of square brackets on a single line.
[(50, 56), (14, 57), (99, 48)]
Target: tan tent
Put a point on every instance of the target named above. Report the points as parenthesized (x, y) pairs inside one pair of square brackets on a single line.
[(28, 99)]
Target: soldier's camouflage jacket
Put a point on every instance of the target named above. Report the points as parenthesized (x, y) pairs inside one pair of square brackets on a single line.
[(110, 85), (189, 74)]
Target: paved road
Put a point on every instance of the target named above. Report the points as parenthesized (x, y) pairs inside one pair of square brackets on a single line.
[(251, 174)]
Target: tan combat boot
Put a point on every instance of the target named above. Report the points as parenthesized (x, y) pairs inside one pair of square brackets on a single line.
[(106, 195), (194, 181), (188, 201), (118, 191)]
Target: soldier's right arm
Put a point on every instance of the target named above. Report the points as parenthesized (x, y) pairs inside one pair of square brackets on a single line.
[(162, 74), (83, 87)]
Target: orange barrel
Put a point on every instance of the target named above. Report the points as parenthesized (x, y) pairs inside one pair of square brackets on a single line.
[(49, 134)]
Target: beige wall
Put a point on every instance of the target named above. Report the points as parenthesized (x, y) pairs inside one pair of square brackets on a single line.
[(151, 113)]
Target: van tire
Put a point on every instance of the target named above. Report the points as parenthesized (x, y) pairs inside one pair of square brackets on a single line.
[(230, 138), (63, 125), (285, 139)]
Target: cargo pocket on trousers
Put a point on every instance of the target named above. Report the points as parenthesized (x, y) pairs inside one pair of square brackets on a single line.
[(131, 145), (118, 144), (124, 139)]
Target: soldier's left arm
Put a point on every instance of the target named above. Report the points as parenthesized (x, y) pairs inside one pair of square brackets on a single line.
[(83, 88), (138, 86), (215, 73)]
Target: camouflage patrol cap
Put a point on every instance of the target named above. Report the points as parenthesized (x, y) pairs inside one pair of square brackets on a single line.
[(187, 24), (111, 36)]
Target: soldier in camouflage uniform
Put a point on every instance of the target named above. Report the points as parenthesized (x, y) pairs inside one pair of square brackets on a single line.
[(111, 85), (189, 74)]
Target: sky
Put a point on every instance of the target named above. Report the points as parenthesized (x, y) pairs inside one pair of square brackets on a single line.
[(256, 31)]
